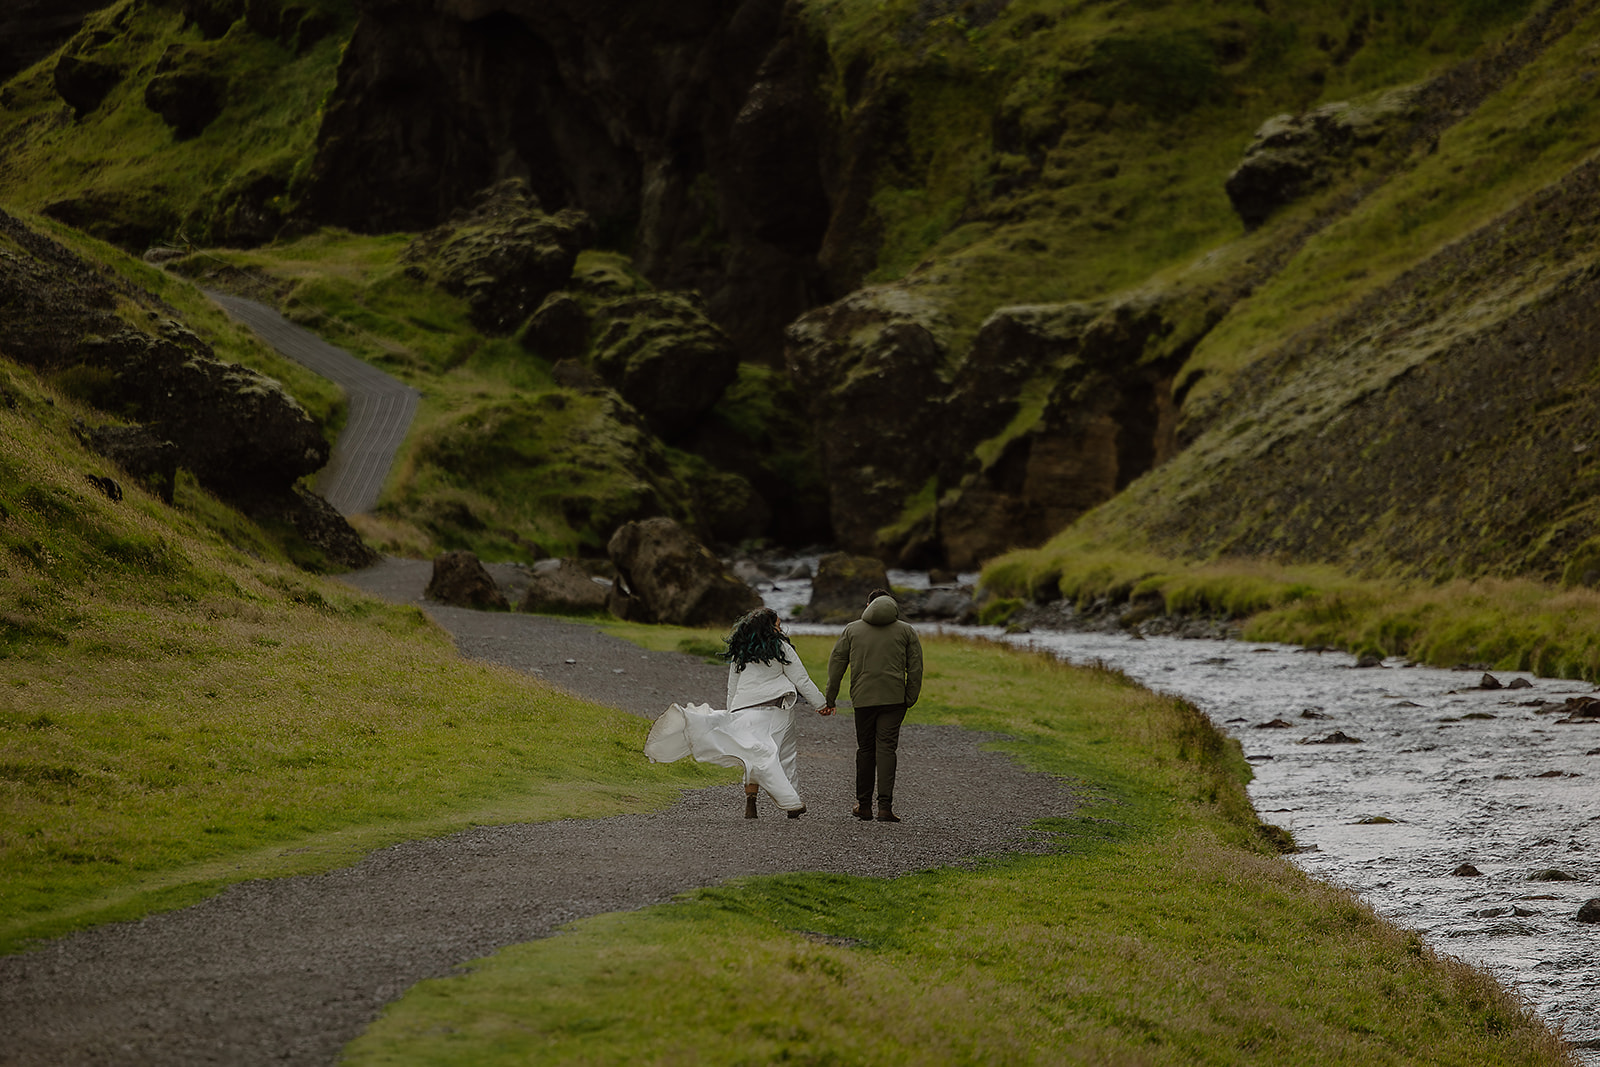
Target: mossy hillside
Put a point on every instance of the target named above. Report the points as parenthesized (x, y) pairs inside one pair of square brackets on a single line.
[(1479, 169), (503, 460), (121, 173), (159, 293), (1162, 931), (1041, 154), (181, 708)]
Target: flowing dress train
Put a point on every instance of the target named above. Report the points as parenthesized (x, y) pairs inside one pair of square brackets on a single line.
[(759, 739)]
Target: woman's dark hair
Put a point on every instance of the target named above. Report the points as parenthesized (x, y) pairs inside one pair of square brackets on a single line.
[(755, 637)]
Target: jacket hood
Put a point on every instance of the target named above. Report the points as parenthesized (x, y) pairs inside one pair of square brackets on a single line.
[(881, 612)]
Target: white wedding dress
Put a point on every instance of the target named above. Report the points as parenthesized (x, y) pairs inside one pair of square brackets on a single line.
[(760, 739)]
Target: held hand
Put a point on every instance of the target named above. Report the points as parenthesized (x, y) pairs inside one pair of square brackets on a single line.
[(825, 711)]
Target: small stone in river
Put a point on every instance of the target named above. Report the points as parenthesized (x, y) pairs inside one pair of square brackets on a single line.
[(1273, 724), (1545, 841), (1488, 913), (1369, 660), (1550, 874), (1338, 737), (1312, 713), (1590, 912), (1593, 752), (1522, 913), (1374, 820), (1489, 681), (1408, 704), (1520, 683), (1466, 870), (1478, 715), (1551, 774)]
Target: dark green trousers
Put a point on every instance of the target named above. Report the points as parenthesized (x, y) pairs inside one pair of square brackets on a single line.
[(877, 741)]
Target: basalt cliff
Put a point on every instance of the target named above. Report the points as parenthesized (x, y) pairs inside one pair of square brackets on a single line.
[(928, 280)]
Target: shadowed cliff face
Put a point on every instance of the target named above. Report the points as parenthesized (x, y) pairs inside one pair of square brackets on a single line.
[(688, 130)]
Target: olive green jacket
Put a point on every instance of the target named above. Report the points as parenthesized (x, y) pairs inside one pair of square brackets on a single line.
[(883, 656)]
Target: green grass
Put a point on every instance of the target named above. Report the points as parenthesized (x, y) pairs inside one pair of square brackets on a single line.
[(1162, 931), (181, 709), (1505, 624), (500, 460), (1058, 153), (144, 184)]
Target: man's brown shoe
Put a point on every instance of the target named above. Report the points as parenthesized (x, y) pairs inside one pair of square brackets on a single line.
[(864, 814), (885, 815)]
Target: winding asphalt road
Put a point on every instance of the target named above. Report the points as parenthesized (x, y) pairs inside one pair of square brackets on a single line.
[(381, 407)]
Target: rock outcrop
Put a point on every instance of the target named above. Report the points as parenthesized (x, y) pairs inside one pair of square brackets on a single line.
[(142, 454), (459, 580), (1053, 410), (1292, 155), (665, 575), (666, 358), (841, 585), (691, 131), (563, 587), (186, 91), (504, 256), (242, 436)]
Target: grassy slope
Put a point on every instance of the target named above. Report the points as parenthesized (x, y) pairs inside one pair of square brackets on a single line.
[(1490, 164), (1066, 152), (501, 460), (181, 709), (123, 155), (1163, 931)]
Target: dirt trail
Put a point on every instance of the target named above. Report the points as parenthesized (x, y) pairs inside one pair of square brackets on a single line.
[(289, 970)]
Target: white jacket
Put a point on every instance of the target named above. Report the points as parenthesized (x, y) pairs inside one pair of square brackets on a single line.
[(771, 683)]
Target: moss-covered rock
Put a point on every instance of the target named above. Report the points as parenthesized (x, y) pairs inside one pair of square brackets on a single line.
[(665, 356), (665, 575), (504, 257), (840, 588)]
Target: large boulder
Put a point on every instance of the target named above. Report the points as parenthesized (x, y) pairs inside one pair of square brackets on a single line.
[(84, 81), (666, 358), (1292, 155), (665, 575), (237, 430), (185, 92), (868, 366), (563, 587), (504, 256), (840, 587), (459, 580)]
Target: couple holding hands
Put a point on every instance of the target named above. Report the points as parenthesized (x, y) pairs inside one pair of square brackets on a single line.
[(765, 678)]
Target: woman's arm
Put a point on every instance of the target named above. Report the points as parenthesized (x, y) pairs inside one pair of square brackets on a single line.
[(733, 684), (795, 671)]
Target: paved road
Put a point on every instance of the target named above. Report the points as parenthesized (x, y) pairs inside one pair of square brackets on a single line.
[(381, 407)]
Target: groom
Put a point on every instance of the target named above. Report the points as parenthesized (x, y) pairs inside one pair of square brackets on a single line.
[(884, 658)]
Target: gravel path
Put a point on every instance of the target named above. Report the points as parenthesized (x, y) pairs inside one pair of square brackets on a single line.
[(289, 970), (381, 407)]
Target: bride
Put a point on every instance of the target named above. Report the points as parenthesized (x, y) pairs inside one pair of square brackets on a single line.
[(757, 731)]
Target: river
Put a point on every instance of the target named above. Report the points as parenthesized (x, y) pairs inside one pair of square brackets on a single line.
[(1441, 773)]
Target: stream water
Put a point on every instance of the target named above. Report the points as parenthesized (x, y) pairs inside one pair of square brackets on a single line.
[(1442, 774)]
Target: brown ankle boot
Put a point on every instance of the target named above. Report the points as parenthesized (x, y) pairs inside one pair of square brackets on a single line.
[(749, 803), (885, 815)]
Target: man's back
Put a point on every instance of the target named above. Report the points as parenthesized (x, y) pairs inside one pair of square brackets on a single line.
[(884, 657)]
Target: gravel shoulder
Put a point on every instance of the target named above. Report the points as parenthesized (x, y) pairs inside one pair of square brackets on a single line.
[(289, 970)]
